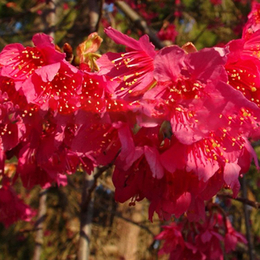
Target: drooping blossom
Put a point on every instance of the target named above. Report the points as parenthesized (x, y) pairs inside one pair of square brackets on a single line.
[(232, 237), (45, 156), (97, 141), (200, 241), (12, 208)]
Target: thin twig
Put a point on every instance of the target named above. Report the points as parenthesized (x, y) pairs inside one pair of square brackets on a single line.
[(246, 201), (247, 220), (119, 215)]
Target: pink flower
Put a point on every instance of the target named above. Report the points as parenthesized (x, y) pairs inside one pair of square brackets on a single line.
[(173, 239), (253, 23), (132, 69), (12, 107), (56, 87), (12, 208), (232, 238), (243, 70), (99, 142), (216, 2), (243, 67), (176, 246), (185, 240), (19, 62), (192, 93), (44, 157), (167, 32)]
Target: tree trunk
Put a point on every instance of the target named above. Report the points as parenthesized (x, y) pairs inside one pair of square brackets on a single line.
[(39, 224), (86, 214), (128, 232)]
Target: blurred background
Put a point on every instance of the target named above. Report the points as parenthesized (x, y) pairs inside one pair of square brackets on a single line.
[(118, 231)]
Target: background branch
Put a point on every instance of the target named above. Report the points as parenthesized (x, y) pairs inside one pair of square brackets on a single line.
[(138, 21)]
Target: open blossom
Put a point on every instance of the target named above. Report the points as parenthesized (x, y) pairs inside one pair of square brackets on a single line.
[(58, 90), (206, 147), (253, 23), (132, 69), (192, 93), (242, 66), (174, 177), (19, 62)]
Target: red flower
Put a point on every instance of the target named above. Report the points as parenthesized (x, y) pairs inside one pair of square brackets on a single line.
[(199, 241)]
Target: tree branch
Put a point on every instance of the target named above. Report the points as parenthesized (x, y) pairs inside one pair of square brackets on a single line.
[(246, 201), (139, 22)]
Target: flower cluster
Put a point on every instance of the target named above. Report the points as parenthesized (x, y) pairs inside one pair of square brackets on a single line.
[(185, 240), (174, 122)]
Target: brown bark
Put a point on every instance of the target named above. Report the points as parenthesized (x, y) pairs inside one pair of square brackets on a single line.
[(86, 213), (85, 23), (129, 233)]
